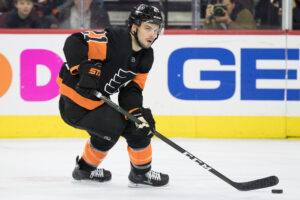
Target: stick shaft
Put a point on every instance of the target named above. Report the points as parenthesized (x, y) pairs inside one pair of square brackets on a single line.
[(256, 184)]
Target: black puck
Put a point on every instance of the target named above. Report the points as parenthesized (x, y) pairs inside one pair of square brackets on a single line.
[(277, 191)]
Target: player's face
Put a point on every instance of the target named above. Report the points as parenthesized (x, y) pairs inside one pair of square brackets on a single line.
[(228, 5), (147, 33), (24, 7)]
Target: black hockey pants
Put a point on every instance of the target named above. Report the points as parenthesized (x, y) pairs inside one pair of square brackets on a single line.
[(104, 124)]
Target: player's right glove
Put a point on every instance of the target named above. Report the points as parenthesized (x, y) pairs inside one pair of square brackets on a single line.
[(89, 74), (148, 123)]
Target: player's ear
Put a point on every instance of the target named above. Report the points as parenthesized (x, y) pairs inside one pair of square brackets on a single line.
[(133, 28)]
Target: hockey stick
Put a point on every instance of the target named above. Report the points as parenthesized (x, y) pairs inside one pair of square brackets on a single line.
[(242, 186)]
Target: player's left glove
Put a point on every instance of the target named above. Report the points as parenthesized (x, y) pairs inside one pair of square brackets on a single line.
[(89, 74), (148, 123)]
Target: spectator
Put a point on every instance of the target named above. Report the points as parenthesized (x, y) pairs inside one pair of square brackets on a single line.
[(229, 15), (94, 16), (296, 14), (268, 14), (47, 10), (22, 16), (249, 4), (139, 1), (49, 7), (5, 6)]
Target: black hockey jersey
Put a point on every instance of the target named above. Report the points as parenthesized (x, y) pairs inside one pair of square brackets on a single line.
[(123, 70)]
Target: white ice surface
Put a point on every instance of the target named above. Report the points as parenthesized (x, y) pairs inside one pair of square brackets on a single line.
[(40, 169)]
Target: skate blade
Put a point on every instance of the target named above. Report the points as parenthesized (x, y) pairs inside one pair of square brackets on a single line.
[(88, 182), (140, 185)]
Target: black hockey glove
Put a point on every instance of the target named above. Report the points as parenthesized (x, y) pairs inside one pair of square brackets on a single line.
[(89, 74), (148, 124)]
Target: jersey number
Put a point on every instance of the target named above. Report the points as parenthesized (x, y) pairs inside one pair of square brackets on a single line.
[(95, 36)]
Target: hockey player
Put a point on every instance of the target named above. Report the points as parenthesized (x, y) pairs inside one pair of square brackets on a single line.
[(112, 61)]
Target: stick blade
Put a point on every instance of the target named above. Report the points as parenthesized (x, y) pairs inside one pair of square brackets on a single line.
[(257, 184)]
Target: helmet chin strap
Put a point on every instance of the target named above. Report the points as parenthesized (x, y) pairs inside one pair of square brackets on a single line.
[(137, 39)]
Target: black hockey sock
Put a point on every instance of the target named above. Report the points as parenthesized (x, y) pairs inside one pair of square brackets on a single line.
[(141, 169), (85, 166)]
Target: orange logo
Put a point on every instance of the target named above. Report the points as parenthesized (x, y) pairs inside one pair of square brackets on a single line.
[(95, 72), (5, 75)]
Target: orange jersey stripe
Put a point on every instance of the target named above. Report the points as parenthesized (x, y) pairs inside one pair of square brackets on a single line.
[(140, 157), (140, 79), (97, 48), (97, 51), (77, 98), (130, 111), (134, 109), (92, 156), (74, 70)]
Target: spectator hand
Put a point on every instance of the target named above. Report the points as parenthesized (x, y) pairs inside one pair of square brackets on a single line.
[(89, 74), (225, 19), (208, 13), (148, 124)]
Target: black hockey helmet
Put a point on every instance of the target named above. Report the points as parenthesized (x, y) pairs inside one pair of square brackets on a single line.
[(145, 13)]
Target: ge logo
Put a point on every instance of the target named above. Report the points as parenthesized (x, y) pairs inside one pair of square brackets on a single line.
[(5, 75)]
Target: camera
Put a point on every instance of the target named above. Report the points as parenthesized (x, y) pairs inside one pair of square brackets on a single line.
[(218, 10)]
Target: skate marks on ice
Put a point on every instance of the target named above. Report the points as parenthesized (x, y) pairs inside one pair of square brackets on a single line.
[(41, 169)]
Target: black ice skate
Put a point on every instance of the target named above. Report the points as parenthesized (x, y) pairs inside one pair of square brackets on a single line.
[(99, 174), (151, 178)]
